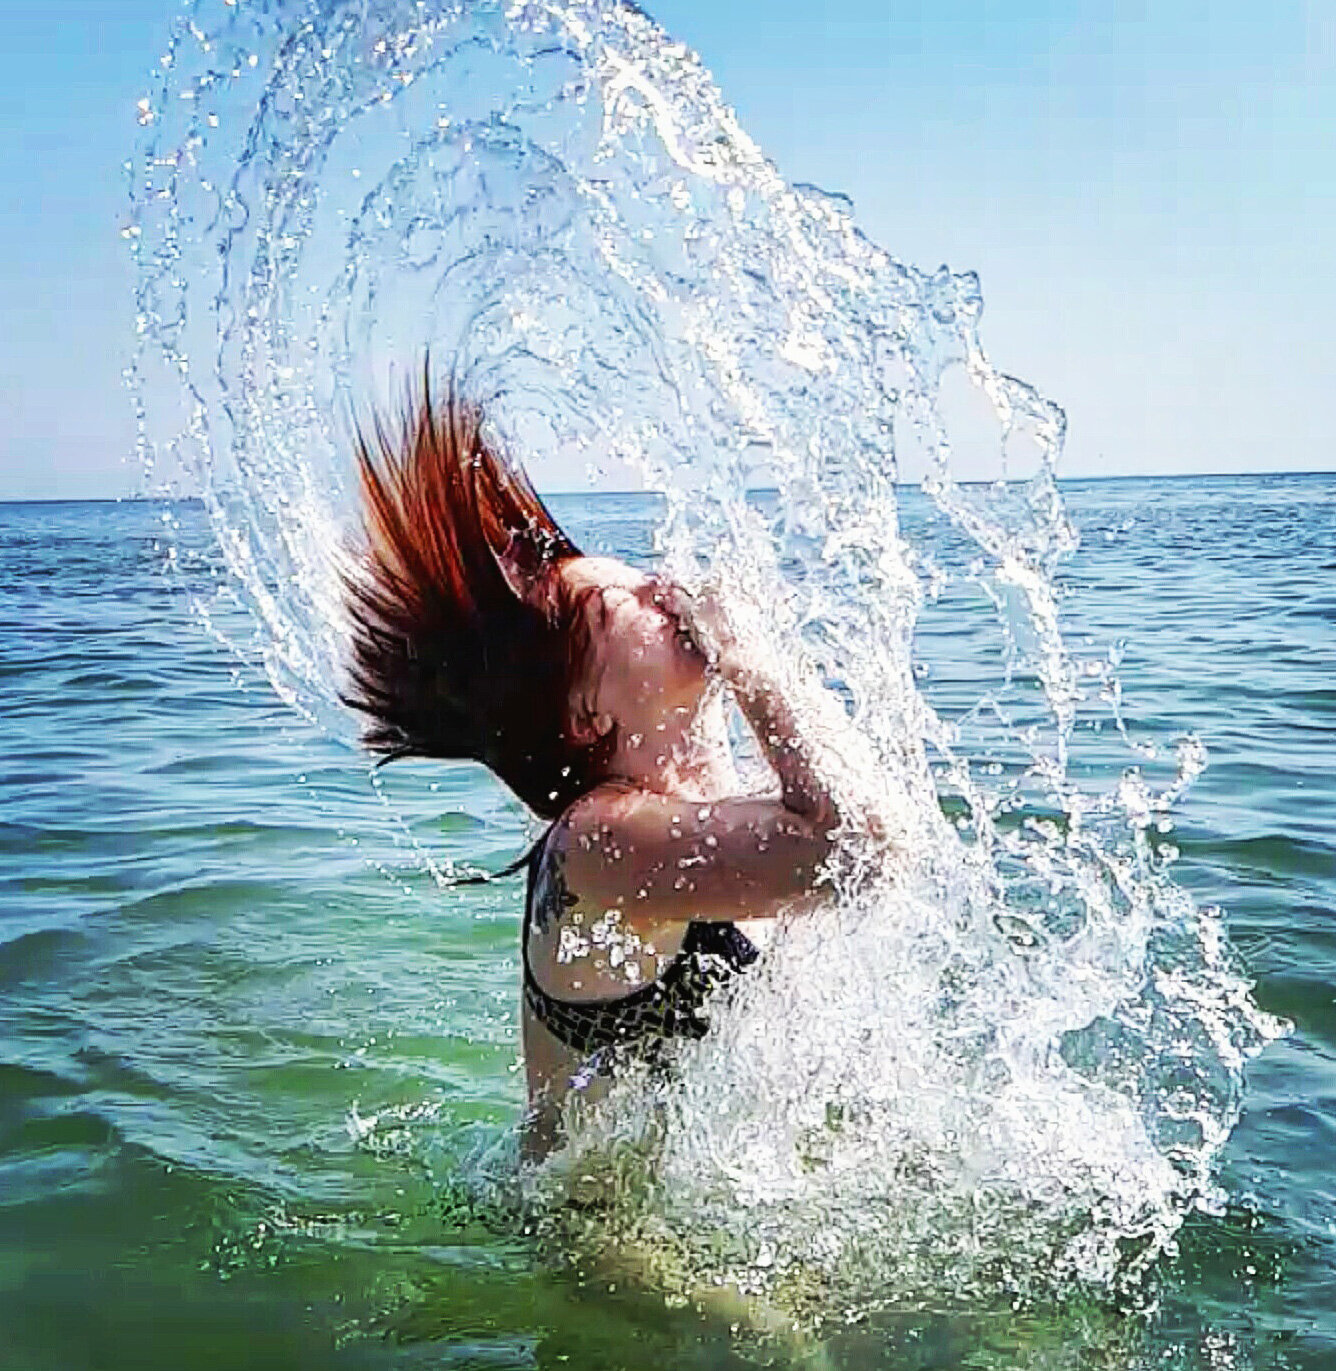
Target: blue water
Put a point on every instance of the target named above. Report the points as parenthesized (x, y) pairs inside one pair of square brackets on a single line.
[(221, 954)]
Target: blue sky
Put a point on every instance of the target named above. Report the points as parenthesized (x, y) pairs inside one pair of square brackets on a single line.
[(1146, 187)]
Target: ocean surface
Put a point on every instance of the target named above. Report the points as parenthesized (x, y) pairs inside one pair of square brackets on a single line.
[(254, 1060)]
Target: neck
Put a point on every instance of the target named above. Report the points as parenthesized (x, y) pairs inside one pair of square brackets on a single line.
[(686, 755)]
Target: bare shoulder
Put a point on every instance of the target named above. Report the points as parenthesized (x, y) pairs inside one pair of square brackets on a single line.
[(674, 857)]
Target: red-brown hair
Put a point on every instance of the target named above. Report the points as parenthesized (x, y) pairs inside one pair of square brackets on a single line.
[(465, 643)]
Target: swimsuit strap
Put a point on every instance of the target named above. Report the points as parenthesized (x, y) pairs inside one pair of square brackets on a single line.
[(674, 1005), (487, 877)]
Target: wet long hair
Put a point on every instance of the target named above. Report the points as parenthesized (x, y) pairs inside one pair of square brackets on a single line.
[(465, 643)]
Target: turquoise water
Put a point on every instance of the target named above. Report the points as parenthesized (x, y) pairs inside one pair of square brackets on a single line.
[(260, 1073)]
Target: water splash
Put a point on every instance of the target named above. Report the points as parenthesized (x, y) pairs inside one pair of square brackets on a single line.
[(1011, 1063)]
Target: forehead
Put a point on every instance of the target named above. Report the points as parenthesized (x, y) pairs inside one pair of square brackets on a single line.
[(604, 573)]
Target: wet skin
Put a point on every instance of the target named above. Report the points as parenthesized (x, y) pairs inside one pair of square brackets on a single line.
[(666, 837)]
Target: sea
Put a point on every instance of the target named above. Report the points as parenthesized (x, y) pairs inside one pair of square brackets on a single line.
[(259, 1066)]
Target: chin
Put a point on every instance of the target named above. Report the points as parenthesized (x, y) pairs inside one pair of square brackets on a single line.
[(697, 686), (705, 699)]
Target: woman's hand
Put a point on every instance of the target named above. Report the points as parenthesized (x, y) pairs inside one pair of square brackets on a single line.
[(805, 739), (706, 621), (734, 647)]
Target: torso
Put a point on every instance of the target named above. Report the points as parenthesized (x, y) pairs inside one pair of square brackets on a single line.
[(602, 981)]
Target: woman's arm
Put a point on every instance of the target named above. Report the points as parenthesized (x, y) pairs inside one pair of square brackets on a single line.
[(782, 741), (789, 743), (664, 858)]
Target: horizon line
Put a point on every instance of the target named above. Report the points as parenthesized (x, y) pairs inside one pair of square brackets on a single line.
[(1062, 480), (752, 490)]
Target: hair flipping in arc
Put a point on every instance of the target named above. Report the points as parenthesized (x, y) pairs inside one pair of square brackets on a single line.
[(465, 643)]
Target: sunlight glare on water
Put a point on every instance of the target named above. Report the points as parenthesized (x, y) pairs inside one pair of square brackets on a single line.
[(1007, 1063)]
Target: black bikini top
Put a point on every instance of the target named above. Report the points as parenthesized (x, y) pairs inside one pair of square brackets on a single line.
[(675, 1005)]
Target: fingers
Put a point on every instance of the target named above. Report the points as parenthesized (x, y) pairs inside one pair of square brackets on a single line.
[(675, 601), (708, 626), (703, 619)]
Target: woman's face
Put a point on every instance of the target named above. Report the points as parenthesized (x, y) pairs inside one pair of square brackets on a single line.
[(643, 668)]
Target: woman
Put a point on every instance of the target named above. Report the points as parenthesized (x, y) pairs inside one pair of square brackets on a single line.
[(596, 694)]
